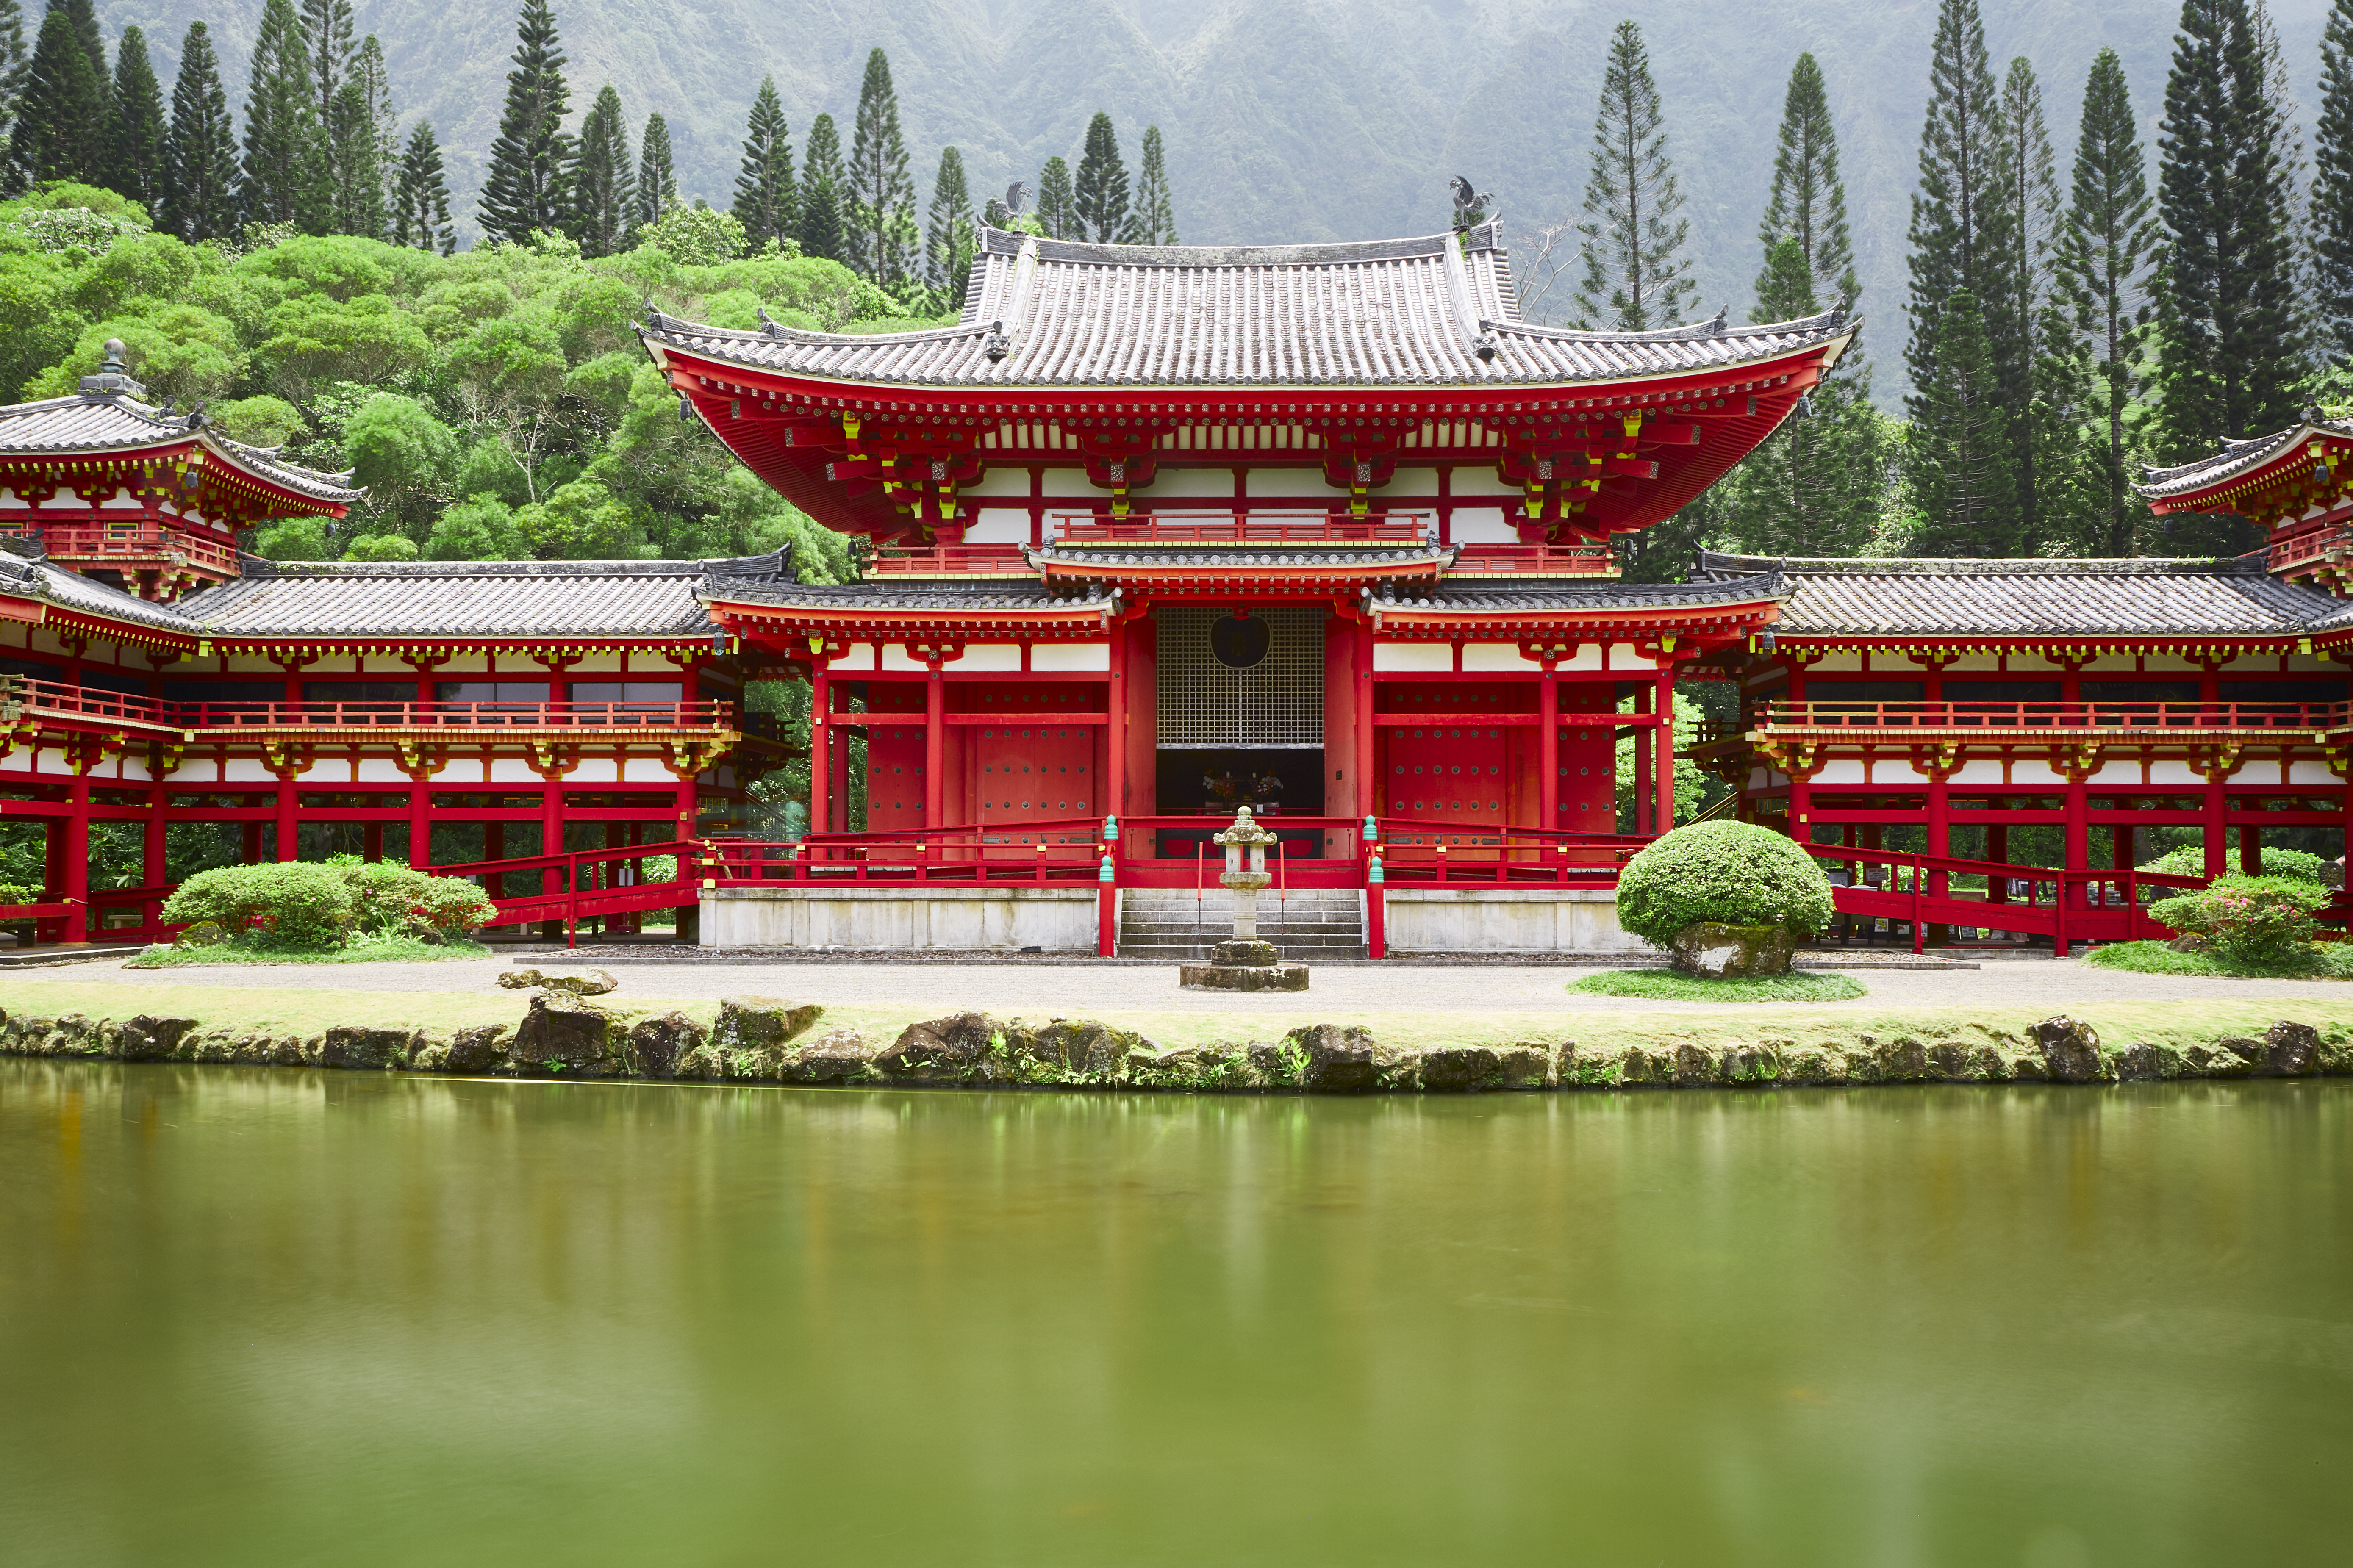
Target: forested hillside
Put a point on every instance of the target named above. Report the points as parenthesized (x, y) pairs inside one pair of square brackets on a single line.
[(1284, 119)]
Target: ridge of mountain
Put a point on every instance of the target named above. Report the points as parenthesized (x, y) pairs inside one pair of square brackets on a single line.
[(1285, 119)]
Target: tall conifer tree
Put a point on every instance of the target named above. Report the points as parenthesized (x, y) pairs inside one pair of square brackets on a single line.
[(358, 189), (15, 61), (947, 237), (285, 174), (822, 177), (375, 81), (1637, 276), (767, 203), (60, 131), (200, 148), (2332, 188), (1099, 197), (1961, 460), (420, 204), (327, 46), (2106, 242), (1808, 201), (1153, 220), (1057, 208), (135, 141), (2043, 390), (1963, 226), (657, 173), (880, 216), (528, 185), (2227, 355), (605, 193)]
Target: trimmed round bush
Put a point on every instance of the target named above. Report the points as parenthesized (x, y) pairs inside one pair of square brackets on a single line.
[(1734, 873)]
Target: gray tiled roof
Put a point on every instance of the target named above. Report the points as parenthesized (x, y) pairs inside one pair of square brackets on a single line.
[(65, 426), (1241, 558), (1572, 594), (1001, 595), (2238, 457), (25, 574), (2154, 597), (1402, 313), (480, 598)]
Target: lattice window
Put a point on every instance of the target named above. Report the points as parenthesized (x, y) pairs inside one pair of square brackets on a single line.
[(1279, 701)]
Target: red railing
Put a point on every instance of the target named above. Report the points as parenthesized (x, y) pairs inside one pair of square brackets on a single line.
[(143, 539), (1064, 850), (1242, 528), (586, 882), (1440, 854), (50, 698), (2307, 548), (2051, 716), (958, 560), (1542, 559), (2080, 906)]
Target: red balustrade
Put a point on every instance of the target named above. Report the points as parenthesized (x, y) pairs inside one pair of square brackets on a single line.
[(1537, 560), (950, 560), (2097, 716), (1242, 528), (56, 700), (143, 539)]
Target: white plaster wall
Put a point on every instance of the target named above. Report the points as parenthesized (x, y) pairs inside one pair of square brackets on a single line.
[(997, 525), (1623, 657), (1502, 920), (998, 482), (1189, 484), (987, 656), (1413, 656), (2311, 773), (896, 656), (647, 770), (2173, 771), (1839, 769), (1496, 655), (860, 655), (597, 664), (901, 919), (1482, 528), (381, 770), (593, 770), (1071, 657)]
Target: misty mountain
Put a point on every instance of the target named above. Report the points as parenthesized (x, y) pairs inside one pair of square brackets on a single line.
[(1285, 119)]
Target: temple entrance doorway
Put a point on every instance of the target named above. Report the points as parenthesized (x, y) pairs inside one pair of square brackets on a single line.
[(1241, 718)]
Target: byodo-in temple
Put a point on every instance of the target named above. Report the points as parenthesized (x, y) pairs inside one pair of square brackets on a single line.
[(1150, 534)]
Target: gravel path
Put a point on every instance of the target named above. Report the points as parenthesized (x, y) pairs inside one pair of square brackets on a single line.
[(1074, 990)]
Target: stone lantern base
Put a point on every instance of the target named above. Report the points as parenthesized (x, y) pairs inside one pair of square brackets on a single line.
[(1242, 976)]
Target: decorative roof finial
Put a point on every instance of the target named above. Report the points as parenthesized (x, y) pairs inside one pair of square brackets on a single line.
[(112, 378), (1469, 205)]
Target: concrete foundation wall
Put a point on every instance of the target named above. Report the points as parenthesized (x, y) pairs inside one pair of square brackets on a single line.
[(908, 920), (1506, 920)]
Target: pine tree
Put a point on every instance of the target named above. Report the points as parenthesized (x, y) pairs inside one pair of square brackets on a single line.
[(1153, 219), (528, 185), (15, 63), (200, 148), (1808, 203), (1961, 231), (2043, 391), (327, 47), (420, 206), (1057, 209), (947, 239), (285, 172), (767, 203), (2332, 187), (1101, 197), (60, 132), (880, 216), (2228, 360), (134, 143), (2106, 242), (83, 13), (1631, 242), (657, 173), (374, 80), (1960, 461), (605, 191), (358, 191)]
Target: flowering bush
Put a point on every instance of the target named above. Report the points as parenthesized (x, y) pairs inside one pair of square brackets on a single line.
[(2248, 920)]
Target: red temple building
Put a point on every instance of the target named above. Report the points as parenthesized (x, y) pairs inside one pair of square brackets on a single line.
[(1152, 532)]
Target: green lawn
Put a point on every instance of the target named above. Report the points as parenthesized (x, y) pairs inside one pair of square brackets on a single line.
[(1663, 986)]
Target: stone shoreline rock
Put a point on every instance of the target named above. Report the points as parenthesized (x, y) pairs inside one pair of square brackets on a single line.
[(764, 1039)]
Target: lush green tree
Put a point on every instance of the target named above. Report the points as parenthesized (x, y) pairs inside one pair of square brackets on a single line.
[(16, 62), (285, 177), (1963, 223), (1630, 242), (2105, 246), (822, 181), (528, 186), (420, 204), (657, 173), (767, 201), (480, 528), (1057, 210), (134, 140), (605, 189), (1153, 219), (2332, 186), (1099, 198), (2227, 357), (947, 241), (200, 147), (880, 218), (60, 130), (1807, 199), (1962, 449)]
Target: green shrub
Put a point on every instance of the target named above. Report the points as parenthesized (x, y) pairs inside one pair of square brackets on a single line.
[(451, 907), (2248, 920), (1734, 872), (2190, 860), (294, 901), (19, 893)]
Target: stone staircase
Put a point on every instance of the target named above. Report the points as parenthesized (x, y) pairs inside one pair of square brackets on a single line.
[(1306, 925)]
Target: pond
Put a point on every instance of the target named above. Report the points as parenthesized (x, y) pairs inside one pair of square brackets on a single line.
[(302, 1317)]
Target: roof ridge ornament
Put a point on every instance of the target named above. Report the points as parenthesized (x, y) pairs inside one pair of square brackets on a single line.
[(113, 378), (769, 328)]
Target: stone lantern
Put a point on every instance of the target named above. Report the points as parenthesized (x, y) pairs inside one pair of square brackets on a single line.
[(1244, 963)]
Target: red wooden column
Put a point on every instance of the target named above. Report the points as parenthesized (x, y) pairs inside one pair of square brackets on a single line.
[(1642, 750), (1940, 821), (690, 802), (72, 840), (1548, 746), (936, 747), (1663, 703), (1115, 699), (820, 750), (420, 823), (1369, 791), (2217, 828), (288, 835)]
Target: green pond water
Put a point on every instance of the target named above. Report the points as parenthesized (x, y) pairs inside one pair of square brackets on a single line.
[(261, 1317)]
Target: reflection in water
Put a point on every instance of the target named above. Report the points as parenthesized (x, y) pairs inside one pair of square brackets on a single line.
[(270, 1316)]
